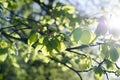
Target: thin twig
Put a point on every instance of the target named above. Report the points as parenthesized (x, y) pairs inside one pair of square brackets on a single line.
[(74, 71), (1, 29), (15, 38), (117, 66), (86, 70), (109, 71), (81, 54), (107, 76), (83, 46)]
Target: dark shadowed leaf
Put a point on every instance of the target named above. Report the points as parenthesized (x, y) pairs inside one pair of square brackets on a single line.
[(98, 73), (113, 54)]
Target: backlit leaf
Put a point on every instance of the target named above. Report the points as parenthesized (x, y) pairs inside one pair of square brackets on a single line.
[(85, 37), (33, 38), (3, 44), (85, 63), (104, 51), (3, 57), (98, 73), (77, 34), (113, 54), (108, 64), (117, 72)]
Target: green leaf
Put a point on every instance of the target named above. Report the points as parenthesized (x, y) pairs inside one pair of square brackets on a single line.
[(3, 44), (117, 72), (98, 73), (54, 44), (69, 8), (3, 51), (48, 44), (33, 38), (45, 41), (85, 63), (1, 76), (104, 51), (113, 54), (98, 70), (77, 34), (65, 59), (109, 64), (3, 57), (77, 61), (85, 37)]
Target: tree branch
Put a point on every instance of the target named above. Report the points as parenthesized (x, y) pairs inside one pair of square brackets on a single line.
[(83, 46), (77, 72), (86, 70), (45, 7), (81, 54), (8, 27), (117, 66), (9, 36), (107, 76)]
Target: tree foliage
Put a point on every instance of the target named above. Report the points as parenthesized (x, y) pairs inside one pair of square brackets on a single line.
[(48, 40)]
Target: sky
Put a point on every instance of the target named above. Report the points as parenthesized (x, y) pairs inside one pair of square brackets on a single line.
[(93, 7)]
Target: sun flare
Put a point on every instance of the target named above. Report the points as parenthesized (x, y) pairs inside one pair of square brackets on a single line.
[(114, 22)]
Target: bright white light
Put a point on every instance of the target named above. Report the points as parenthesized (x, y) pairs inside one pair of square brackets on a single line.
[(114, 22)]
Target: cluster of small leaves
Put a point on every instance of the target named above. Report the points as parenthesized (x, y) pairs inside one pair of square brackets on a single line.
[(31, 39), (107, 50), (26, 43)]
